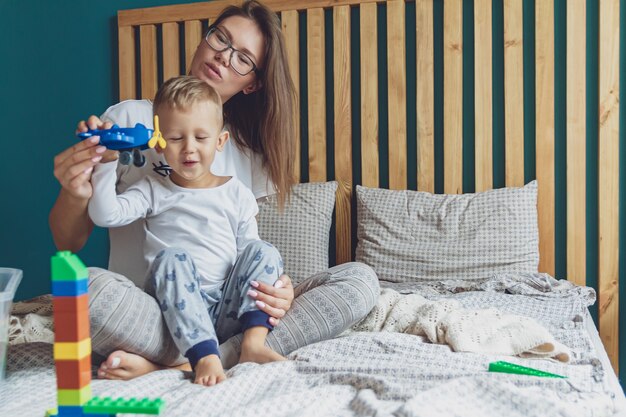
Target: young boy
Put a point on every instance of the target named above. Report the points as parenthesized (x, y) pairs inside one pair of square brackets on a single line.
[(202, 242)]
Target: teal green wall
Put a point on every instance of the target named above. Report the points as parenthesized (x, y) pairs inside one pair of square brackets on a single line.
[(58, 65)]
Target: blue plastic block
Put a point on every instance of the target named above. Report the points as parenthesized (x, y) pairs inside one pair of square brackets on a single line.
[(73, 411), (70, 411), (69, 288)]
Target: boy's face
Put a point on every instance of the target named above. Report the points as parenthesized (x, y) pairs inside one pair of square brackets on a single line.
[(192, 136)]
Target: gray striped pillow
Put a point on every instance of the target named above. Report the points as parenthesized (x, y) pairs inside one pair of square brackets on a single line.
[(415, 236)]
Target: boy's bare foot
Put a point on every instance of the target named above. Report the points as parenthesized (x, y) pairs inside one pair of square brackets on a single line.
[(124, 365), (259, 354), (209, 371)]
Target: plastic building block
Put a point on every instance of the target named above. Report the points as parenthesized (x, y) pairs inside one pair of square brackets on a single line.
[(73, 374), (70, 327), (71, 304), (72, 350), (107, 405), (70, 411), (69, 288), (74, 396), (511, 368), (71, 318), (67, 267)]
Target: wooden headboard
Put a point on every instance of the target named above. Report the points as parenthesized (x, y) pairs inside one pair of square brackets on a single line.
[(415, 107)]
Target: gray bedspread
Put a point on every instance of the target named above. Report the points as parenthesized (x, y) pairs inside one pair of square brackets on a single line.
[(374, 374)]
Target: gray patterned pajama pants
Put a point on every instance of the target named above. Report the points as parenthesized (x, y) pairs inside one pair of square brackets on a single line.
[(123, 316), (197, 319)]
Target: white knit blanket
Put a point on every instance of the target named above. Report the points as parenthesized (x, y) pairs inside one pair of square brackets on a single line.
[(445, 321)]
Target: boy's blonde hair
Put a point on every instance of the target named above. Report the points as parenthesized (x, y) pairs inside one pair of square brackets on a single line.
[(180, 93)]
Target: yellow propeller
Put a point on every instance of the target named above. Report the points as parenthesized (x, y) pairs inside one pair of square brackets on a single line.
[(157, 136)]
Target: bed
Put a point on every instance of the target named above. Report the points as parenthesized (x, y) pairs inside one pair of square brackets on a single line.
[(370, 131)]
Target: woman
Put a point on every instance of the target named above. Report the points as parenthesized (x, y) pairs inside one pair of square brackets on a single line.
[(243, 57)]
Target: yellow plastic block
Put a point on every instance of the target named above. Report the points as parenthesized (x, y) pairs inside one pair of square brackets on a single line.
[(72, 350), (74, 396)]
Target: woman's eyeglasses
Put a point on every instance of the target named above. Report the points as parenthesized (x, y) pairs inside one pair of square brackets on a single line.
[(239, 61)]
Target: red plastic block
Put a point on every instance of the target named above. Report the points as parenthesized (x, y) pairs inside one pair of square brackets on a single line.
[(73, 374), (71, 327), (71, 304)]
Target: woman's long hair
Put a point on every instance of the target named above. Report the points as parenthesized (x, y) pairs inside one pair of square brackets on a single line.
[(264, 120)]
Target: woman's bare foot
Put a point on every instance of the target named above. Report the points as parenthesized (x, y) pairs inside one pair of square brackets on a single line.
[(124, 365), (259, 354), (209, 371)]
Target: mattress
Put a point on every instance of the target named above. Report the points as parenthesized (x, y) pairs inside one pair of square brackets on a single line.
[(381, 373)]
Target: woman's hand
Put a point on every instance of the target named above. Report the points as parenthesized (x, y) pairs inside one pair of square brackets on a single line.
[(274, 300), (92, 123), (73, 166)]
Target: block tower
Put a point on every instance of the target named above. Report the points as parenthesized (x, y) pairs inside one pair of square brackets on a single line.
[(72, 347), (72, 344)]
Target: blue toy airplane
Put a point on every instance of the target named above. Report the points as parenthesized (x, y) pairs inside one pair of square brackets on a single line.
[(129, 140)]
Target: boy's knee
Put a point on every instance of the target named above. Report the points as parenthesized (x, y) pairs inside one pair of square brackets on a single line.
[(260, 249), (171, 266), (361, 276)]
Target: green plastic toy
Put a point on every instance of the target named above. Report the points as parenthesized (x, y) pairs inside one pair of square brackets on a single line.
[(107, 405), (511, 368)]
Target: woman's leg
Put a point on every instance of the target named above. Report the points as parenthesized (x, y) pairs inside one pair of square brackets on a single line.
[(326, 304), (122, 316)]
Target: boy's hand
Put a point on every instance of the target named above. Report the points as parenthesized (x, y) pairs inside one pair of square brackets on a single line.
[(275, 300)]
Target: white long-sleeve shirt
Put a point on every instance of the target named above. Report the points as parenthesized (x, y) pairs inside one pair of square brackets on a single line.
[(212, 224), (126, 242)]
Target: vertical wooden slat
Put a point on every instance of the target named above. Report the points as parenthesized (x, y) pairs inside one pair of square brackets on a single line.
[(425, 63), (343, 130), (576, 142), (369, 95), (171, 51), (544, 110), (193, 36), (316, 88), (514, 92), (453, 96), (608, 177), (483, 96), (128, 84), (396, 87), (148, 56), (291, 33)]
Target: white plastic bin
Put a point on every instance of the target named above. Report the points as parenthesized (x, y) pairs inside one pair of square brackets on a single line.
[(9, 280)]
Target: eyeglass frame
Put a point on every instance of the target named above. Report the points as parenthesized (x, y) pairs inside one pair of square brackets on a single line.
[(230, 46)]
